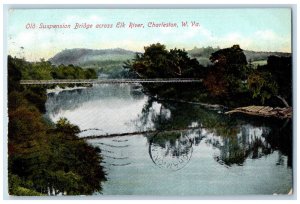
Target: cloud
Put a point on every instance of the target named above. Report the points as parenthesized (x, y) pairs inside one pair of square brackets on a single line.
[(265, 34), (42, 43), (199, 32), (232, 39), (269, 40)]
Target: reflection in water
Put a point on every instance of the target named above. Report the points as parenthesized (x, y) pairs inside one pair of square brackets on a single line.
[(196, 152), (237, 138), (102, 109), (170, 151), (73, 99)]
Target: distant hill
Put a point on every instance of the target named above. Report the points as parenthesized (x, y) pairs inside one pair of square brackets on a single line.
[(203, 54), (89, 57), (108, 62), (257, 56)]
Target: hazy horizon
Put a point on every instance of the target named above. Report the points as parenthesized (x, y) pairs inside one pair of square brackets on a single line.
[(114, 48)]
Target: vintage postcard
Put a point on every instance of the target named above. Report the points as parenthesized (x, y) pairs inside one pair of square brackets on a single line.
[(150, 102)]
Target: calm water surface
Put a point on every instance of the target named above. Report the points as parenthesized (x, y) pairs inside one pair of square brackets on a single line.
[(195, 151)]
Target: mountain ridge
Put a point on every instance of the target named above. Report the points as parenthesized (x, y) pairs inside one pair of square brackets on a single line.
[(78, 56), (86, 57)]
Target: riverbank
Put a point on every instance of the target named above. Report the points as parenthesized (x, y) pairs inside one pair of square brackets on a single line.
[(45, 158)]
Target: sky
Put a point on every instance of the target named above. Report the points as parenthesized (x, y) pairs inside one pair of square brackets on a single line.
[(261, 29)]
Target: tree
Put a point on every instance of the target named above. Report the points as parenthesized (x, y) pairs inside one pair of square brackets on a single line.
[(262, 85), (229, 71), (63, 125), (158, 62), (14, 73), (272, 80), (281, 70), (42, 156)]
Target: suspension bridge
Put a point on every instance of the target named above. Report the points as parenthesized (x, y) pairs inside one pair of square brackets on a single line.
[(109, 81)]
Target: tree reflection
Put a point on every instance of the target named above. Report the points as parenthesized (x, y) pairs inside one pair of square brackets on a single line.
[(237, 137), (249, 142), (170, 151)]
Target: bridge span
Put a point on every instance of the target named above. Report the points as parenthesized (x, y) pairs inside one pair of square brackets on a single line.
[(109, 81)]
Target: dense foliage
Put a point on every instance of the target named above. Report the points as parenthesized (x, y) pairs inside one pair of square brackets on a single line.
[(228, 79), (158, 62), (280, 68), (45, 158), (229, 71), (45, 70)]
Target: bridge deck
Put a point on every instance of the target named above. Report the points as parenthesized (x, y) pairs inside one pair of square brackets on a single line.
[(109, 81)]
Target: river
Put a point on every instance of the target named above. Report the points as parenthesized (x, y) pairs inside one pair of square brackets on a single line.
[(195, 151)]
